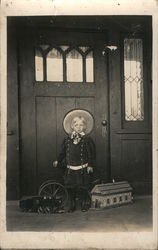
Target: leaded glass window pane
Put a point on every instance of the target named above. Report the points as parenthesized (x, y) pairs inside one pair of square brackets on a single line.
[(74, 66), (54, 63), (64, 64), (89, 67), (133, 79), (84, 49), (38, 66), (44, 46), (63, 47)]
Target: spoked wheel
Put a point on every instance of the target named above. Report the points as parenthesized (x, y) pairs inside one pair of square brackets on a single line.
[(54, 190)]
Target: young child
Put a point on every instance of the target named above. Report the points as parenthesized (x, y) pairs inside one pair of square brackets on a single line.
[(78, 151)]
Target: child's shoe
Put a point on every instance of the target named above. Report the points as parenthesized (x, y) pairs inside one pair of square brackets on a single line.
[(84, 207), (72, 207)]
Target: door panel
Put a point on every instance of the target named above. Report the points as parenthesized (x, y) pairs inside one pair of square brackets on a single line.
[(44, 105), (63, 105), (131, 160), (50, 112), (45, 131)]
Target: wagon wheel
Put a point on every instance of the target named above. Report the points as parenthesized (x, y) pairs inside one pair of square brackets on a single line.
[(54, 190)]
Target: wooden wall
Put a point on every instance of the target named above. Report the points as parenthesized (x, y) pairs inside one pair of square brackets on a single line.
[(13, 179)]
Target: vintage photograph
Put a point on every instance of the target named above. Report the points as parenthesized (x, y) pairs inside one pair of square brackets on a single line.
[(79, 124)]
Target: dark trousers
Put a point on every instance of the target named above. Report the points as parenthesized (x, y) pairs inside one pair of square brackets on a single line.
[(83, 194)]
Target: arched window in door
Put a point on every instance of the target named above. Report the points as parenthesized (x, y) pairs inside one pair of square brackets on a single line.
[(89, 67), (54, 66), (74, 66), (64, 63), (38, 66)]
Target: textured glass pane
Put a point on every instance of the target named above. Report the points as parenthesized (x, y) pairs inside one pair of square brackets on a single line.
[(54, 66), (84, 49), (89, 68), (74, 66), (38, 66), (44, 47), (64, 47), (133, 78)]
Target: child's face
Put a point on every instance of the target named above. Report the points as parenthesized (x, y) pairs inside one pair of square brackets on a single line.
[(78, 126)]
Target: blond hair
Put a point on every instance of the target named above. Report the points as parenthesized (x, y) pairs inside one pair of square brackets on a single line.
[(79, 118)]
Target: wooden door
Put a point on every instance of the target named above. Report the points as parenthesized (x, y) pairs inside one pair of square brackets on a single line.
[(47, 95)]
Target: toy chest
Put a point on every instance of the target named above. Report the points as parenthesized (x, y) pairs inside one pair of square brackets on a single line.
[(111, 195)]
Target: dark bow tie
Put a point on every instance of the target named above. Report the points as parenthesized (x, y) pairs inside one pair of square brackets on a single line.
[(76, 135)]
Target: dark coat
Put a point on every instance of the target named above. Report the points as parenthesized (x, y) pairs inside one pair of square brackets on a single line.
[(77, 154)]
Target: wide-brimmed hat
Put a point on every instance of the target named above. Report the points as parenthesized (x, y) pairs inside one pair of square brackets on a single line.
[(78, 113)]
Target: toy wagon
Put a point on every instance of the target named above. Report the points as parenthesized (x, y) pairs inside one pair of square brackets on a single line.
[(52, 195), (111, 195)]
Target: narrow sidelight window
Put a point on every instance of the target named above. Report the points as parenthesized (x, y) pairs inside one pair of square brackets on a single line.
[(133, 79)]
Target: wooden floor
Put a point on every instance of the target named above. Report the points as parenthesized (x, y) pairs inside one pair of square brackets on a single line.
[(136, 217)]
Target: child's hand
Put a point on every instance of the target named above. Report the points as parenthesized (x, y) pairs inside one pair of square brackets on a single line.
[(55, 163), (89, 169)]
